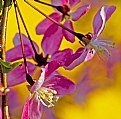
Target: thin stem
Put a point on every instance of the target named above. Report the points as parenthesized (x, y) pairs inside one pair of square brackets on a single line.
[(28, 77), (78, 35), (16, 4), (22, 44), (3, 26), (45, 3)]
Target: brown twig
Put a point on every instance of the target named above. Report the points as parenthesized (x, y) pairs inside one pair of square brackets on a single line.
[(4, 17)]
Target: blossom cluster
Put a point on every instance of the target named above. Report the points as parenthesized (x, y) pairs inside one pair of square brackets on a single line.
[(50, 85)]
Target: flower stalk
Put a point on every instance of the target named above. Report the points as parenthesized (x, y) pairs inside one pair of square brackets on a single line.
[(16, 4), (3, 28), (28, 77)]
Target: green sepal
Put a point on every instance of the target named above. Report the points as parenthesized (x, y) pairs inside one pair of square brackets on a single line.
[(8, 66)]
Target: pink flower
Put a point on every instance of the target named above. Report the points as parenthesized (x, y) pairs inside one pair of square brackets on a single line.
[(45, 92), (93, 45), (100, 46), (63, 13), (57, 58)]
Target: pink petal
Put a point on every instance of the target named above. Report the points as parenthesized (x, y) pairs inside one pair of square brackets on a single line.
[(97, 3), (16, 53), (51, 67), (84, 87), (46, 23), (59, 2), (90, 55), (18, 76), (61, 56), (77, 61), (116, 52), (74, 2), (13, 94), (80, 12), (56, 2), (64, 2), (69, 36), (74, 56), (61, 84), (51, 76), (26, 41), (0, 113), (35, 108), (101, 17), (52, 39), (16, 39), (39, 82), (25, 113), (48, 113)]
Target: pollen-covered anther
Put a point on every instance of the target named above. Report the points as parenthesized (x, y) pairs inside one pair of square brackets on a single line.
[(47, 96)]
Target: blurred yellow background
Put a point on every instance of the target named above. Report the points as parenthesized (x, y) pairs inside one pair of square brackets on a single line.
[(104, 102)]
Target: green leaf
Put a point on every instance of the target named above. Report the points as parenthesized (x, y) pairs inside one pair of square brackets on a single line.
[(8, 66)]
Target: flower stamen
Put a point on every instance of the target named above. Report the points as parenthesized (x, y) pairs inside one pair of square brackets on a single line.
[(47, 96), (100, 46)]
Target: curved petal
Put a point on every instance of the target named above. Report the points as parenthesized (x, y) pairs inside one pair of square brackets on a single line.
[(77, 61), (16, 53), (90, 55), (51, 67), (64, 2), (25, 113), (59, 2), (80, 12), (74, 2), (0, 113), (46, 23), (61, 84), (39, 82), (18, 75), (69, 36), (101, 17), (13, 94), (74, 56), (84, 87), (52, 39), (35, 108), (52, 75), (26, 41), (16, 39), (48, 113), (56, 2), (61, 56)]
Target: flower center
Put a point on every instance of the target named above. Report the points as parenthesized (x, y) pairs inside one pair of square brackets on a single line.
[(88, 36), (47, 96), (86, 39), (101, 46), (65, 9)]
